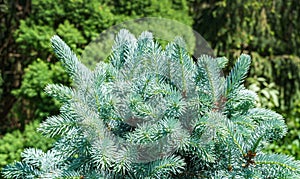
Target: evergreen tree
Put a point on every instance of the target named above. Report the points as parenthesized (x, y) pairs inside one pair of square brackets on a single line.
[(155, 113)]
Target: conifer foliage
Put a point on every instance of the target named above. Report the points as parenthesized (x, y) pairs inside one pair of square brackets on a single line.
[(155, 113)]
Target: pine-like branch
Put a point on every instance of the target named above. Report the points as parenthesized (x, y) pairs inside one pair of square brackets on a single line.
[(77, 71), (237, 74), (209, 76), (59, 92), (286, 163)]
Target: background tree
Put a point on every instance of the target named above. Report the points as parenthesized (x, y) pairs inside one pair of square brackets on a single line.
[(11, 12), (1, 81)]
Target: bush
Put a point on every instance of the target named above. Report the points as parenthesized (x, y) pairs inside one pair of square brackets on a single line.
[(153, 113), (32, 98)]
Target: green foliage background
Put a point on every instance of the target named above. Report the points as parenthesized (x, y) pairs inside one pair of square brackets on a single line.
[(267, 30)]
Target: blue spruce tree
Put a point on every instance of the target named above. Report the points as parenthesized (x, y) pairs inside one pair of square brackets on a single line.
[(155, 113)]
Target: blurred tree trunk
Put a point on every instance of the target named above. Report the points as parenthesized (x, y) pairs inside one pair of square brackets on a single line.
[(11, 12)]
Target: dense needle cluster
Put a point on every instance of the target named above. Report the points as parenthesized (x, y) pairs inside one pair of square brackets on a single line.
[(155, 113)]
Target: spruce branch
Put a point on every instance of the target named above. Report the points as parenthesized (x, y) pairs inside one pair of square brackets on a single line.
[(286, 163), (59, 92), (57, 125), (237, 74), (166, 167), (222, 62), (181, 67), (212, 78), (123, 47), (77, 71), (20, 170)]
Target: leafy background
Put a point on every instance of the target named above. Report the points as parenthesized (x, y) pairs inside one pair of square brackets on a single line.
[(267, 30)]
